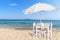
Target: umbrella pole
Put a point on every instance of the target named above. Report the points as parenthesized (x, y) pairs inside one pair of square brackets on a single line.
[(40, 19)]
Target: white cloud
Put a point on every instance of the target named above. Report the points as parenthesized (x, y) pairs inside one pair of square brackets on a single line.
[(12, 4)]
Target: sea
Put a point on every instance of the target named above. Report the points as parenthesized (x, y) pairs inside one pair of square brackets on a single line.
[(25, 23)]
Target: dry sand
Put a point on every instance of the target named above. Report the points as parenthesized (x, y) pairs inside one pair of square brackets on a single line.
[(20, 34)]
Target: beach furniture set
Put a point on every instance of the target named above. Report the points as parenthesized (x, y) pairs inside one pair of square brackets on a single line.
[(42, 30)]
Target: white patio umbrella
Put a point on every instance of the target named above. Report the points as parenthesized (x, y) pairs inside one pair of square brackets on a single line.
[(39, 7)]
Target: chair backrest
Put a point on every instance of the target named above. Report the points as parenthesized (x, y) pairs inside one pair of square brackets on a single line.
[(34, 24), (45, 24)]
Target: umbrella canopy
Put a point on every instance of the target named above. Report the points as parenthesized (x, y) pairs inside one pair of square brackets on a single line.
[(39, 7)]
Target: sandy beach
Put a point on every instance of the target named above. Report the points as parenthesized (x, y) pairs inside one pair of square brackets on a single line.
[(22, 34)]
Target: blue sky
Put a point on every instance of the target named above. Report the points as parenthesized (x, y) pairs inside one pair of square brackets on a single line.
[(13, 9)]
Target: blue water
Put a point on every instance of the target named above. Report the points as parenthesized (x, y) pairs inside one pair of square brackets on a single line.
[(25, 23)]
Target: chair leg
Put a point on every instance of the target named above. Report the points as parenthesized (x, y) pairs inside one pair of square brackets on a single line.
[(36, 32), (48, 34)]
